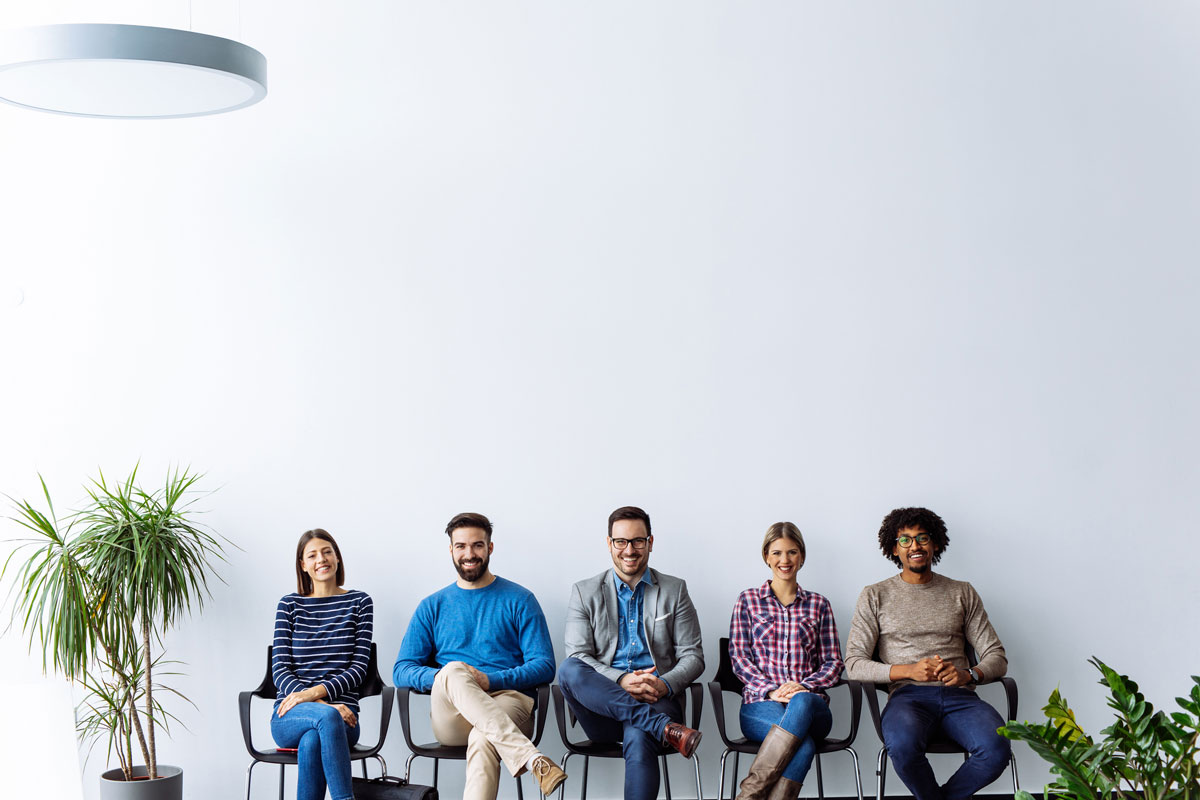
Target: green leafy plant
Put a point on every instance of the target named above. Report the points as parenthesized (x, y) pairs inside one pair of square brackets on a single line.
[(1144, 754), (97, 590)]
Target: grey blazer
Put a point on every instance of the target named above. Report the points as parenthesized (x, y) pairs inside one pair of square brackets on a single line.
[(668, 617)]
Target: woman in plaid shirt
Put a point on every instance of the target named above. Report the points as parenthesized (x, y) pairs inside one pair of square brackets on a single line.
[(784, 646)]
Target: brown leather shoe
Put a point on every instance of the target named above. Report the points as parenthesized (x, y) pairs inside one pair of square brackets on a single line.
[(548, 774), (682, 738)]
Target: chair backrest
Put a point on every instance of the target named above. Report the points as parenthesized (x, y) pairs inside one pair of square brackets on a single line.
[(372, 686), (725, 676)]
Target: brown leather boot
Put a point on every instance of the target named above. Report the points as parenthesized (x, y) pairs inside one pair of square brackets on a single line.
[(682, 738), (785, 789), (773, 755)]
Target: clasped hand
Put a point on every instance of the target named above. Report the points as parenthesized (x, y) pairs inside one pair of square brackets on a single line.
[(644, 685), (935, 668)]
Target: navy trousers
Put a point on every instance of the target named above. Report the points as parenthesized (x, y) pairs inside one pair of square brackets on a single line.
[(915, 713), (608, 713)]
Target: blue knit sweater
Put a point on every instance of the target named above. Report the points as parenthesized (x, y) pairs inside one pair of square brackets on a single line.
[(499, 629)]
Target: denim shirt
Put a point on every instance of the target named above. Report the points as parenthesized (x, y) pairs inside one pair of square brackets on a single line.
[(632, 650)]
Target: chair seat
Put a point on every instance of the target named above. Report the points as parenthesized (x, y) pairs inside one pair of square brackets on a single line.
[(452, 752), (357, 752)]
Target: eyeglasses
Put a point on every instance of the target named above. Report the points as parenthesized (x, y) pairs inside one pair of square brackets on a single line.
[(638, 543), (907, 541)]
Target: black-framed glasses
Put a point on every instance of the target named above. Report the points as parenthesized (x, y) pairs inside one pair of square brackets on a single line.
[(907, 541), (638, 544)]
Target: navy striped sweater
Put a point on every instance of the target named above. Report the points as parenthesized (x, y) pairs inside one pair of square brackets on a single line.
[(323, 640)]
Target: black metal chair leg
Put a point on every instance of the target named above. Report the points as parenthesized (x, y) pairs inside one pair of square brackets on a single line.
[(562, 787), (281, 766), (249, 772), (666, 774), (820, 779), (880, 773)]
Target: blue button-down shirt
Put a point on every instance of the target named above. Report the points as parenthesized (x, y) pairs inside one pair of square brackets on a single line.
[(632, 650)]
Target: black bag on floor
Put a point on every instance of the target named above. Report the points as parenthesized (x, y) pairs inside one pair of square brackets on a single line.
[(389, 788)]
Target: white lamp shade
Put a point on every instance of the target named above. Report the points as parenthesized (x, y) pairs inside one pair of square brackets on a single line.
[(128, 71)]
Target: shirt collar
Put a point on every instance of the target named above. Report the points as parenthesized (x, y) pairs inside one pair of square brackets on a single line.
[(765, 593), (645, 580)]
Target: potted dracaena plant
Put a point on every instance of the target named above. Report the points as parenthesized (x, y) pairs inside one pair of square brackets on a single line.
[(1144, 755), (97, 590)]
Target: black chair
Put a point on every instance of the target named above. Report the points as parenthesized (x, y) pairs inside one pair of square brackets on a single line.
[(590, 749), (359, 752), (940, 744), (727, 681), (438, 751)]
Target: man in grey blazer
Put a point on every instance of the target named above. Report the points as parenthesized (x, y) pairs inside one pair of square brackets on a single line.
[(633, 645)]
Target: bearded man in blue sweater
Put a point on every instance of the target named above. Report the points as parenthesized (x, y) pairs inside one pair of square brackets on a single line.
[(489, 641)]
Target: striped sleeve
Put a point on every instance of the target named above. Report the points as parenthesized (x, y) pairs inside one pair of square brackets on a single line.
[(282, 663)]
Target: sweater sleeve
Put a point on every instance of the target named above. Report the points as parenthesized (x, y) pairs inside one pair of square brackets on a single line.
[(417, 646), (864, 638), (282, 671), (829, 653), (536, 651), (757, 684), (355, 675), (993, 662)]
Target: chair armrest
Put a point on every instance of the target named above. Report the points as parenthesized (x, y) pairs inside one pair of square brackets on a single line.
[(718, 706), (697, 692), (1010, 690), (560, 712), (543, 700), (855, 689), (244, 699), (872, 690), (386, 698), (403, 695)]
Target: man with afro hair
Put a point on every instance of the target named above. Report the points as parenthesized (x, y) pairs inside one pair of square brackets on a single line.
[(911, 631)]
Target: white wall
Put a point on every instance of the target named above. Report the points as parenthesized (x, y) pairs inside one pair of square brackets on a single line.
[(734, 263)]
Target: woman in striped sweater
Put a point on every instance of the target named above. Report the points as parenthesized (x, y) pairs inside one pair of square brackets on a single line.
[(321, 649)]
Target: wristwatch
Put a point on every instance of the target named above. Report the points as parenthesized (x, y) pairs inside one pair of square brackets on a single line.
[(976, 677)]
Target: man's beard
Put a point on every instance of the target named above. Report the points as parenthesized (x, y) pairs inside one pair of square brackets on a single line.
[(473, 573)]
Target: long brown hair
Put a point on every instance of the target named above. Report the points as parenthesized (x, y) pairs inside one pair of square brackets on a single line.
[(304, 584)]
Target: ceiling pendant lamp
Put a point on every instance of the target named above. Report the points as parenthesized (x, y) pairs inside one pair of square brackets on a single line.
[(128, 71)]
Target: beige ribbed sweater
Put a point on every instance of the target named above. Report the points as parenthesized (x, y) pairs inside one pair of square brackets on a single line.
[(911, 621)]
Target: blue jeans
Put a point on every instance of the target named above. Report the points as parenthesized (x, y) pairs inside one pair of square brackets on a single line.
[(806, 715), (323, 741), (915, 714), (608, 713)]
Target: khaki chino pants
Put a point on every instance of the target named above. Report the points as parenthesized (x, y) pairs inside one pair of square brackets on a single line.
[(495, 727)]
